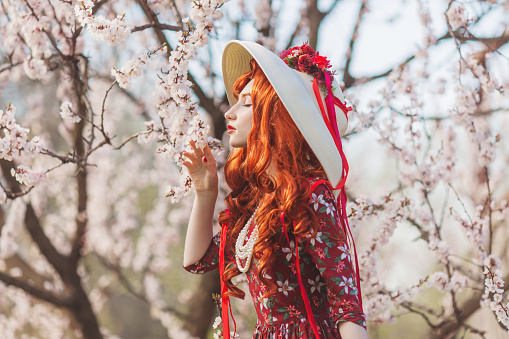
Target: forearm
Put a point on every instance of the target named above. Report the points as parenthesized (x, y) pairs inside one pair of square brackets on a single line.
[(350, 330), (199, 230)]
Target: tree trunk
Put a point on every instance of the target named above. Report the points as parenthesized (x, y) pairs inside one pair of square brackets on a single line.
[(315, 17), (82, 311), (201, 306)]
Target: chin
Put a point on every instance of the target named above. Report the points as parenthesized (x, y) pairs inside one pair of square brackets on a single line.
[(237, 144), (237, 139)]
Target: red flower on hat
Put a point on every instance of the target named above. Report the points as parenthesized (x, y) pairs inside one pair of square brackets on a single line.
[(284, 54), (305, 63), (305, 59), (305, 49), (321, 61)]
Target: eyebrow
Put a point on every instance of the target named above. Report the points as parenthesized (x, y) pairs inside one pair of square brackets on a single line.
[(244, 95)]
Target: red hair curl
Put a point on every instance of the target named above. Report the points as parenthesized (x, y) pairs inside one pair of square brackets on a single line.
[(274, 141)]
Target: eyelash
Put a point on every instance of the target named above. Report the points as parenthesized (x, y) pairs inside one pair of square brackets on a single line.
[(247, 105)]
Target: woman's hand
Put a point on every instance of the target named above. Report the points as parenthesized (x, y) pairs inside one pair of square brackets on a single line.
[(202, 169)]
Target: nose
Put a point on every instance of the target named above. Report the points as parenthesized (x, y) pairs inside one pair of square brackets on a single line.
[(230, 114)]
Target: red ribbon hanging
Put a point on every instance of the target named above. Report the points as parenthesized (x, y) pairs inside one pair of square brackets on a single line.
[(225, 299), (343, 107), (337, 140), (303, 292), (329, 102), (331, 122)]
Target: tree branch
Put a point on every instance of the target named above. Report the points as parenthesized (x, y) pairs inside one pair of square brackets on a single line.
[(425, 316), (176, 12), (497, 41), (55, 258), (347, 78), (451, 325), (7, 67), (315, 17), (157, 25), (35, 292), (79, 77), (332, 6), (126, 283)]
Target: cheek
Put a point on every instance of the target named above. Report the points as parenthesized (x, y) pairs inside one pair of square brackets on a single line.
[(250, 123), (250, 120), (247, 121)]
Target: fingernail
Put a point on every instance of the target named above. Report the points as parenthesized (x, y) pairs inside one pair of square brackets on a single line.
[(205, 159)]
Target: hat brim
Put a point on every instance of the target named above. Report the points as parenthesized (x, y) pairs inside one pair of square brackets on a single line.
[(293, 93)]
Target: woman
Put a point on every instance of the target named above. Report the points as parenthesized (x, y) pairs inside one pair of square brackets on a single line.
[(286, 160)]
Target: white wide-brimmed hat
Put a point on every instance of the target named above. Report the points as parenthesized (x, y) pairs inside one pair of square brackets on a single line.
[(295, 89)]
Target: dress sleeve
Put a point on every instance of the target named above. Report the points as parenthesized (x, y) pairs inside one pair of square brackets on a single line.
[(330, 253), (210, 260)]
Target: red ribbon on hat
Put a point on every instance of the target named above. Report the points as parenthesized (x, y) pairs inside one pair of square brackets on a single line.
[(330, 120)]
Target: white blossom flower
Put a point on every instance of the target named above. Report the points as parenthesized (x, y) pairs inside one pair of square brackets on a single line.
[(440, 280), (173, 96), (15, 144), (110, 31), (35, 68), (151, 134), (133, 68), (217, 322), (28, 176), (67, 114), (439, 247), (459, 281)]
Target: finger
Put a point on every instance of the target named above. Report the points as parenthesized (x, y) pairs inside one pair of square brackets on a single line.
[(196, 150), (189, 155), (208, 154)]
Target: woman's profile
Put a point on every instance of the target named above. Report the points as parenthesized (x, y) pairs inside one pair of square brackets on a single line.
[(285, 224)]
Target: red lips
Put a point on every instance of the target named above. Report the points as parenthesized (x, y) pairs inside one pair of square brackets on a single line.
[(230, 128)]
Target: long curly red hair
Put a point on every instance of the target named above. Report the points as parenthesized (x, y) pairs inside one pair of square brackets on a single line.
[(274, 140)]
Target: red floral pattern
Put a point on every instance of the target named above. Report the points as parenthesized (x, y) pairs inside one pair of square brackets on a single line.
[(327, 275)]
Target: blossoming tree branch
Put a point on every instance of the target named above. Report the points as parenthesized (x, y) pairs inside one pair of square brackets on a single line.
[(100, 98)]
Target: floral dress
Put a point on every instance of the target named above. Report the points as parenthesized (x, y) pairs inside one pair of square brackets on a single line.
[(326, 272)]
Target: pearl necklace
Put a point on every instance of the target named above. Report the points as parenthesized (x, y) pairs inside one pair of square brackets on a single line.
[(245, 251)]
